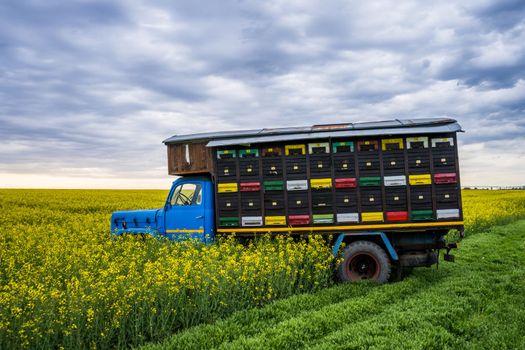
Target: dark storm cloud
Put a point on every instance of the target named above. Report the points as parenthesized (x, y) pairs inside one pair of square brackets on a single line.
[(503, 14), (495, 75), (110, 80)]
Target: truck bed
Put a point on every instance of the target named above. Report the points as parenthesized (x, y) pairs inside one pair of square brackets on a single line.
[(407, 182)]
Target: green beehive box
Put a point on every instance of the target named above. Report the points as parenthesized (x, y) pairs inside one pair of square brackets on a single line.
[(370, 181), (276, 185), (228, 221), (338, 146), (323, 218), (419, 215), (250, 152)]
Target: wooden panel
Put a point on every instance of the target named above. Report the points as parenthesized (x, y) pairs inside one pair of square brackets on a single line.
[(191, 158)]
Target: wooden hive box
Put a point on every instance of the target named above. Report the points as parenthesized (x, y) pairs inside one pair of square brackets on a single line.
[(189, 158)]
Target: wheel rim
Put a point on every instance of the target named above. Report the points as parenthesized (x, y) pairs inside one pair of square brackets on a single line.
[(363, 266)]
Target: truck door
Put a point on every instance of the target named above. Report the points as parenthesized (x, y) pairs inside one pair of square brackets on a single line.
[(185, 211)]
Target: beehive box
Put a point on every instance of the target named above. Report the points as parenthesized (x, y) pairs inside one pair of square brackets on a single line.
[(338, 182)]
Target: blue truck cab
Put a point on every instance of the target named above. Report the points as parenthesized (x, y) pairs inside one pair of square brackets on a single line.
[(389, 192), (187, 213)]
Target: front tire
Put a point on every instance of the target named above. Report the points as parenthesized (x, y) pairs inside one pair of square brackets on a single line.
[(364, 260)]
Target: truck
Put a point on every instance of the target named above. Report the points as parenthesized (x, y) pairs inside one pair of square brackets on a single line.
[(385, 194)]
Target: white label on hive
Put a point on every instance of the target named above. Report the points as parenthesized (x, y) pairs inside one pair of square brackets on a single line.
[(226, 171), (348, 217), (298, 202), (447, 196), (274, 204), (371, 199), (296, 185), (418, 161), (272, 168), (447, 213), (368, 163), (393, 162), (396, 198), (228, 204), (320, 165), (249, 170), (420, 197), (417, 139), (252, 221), (346, 200), (324, 145), (443, 160), (345, 166), (398, 180), (250, 204), (295, 167)]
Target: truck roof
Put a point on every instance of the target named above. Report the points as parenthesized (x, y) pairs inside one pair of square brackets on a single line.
[(388, 127)]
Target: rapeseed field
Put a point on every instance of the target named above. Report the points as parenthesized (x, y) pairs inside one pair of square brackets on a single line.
[(64, 283)]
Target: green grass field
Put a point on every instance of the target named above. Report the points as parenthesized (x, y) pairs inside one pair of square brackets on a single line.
[(476, 303), (65, 284)]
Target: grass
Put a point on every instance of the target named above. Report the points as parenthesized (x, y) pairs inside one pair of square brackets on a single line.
[(475, 303)]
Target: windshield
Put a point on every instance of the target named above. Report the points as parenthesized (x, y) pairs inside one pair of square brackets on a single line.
[(187, 194)]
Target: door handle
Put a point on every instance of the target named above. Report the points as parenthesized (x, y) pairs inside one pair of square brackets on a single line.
[(199, 217)]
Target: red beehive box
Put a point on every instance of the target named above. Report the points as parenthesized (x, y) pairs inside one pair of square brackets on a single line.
[(298, 220), (349, 182), (397, 216), (250, 186), (447, 178)]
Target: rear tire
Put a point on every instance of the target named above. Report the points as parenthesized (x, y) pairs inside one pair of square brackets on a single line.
[(364, 260), (398, 273)]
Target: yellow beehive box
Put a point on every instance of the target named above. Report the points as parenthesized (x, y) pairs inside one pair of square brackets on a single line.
[(424, 179), (227, 187), (275, 220), (321, 183), (372, 217), (386, 142), (294, 150)]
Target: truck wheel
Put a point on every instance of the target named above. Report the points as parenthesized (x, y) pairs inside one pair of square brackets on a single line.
[(398, 273), (364, 260)]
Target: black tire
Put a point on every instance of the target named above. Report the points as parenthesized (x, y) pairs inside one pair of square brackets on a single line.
[(398, 273), (364, 260)]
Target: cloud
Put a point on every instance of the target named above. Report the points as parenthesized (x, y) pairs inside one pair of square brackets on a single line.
[(90, 89)]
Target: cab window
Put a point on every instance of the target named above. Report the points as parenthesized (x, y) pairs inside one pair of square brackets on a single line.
[(187, 194)]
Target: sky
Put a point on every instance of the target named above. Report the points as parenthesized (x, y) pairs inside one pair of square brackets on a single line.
[(89, 89)]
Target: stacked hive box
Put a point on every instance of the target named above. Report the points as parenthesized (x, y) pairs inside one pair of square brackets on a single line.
[(338, 182), (396, 205)]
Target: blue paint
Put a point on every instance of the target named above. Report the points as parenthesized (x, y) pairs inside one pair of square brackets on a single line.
[(337, 244), (390, 249), (178, 220), (134, 221)]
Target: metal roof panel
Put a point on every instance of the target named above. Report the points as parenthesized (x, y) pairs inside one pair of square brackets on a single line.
[(315, 131), (455, 127)]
